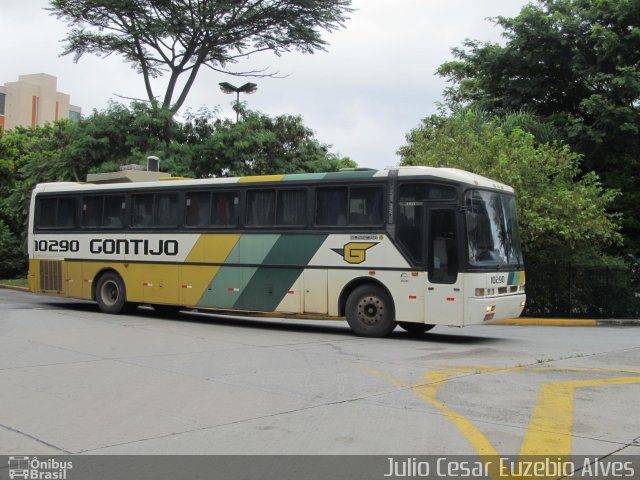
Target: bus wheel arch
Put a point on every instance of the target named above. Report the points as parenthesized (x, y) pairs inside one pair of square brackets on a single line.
[(110, 292), (369, 308)]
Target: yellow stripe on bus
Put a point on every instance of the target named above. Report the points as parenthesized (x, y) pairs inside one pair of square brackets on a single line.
[(261, 178), (210, 248)]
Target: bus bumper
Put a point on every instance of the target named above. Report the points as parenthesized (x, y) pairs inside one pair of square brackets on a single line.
[(492, 309)]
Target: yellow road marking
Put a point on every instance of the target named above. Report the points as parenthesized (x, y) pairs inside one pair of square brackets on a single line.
[(435, 380), (550, 428), (429, 392), (551, 424)]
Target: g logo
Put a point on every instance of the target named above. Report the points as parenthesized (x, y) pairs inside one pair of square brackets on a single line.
[(355, 252)]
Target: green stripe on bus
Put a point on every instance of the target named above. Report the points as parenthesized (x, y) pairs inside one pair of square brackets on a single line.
[(303, 176), (294, 249), (515, 278), (225, 288), (350, 175), (266, 289), (269, 285), (253, 248)]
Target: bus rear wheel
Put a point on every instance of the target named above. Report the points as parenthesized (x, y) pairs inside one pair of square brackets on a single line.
[(110, 293), (370, 312), (415, 328)]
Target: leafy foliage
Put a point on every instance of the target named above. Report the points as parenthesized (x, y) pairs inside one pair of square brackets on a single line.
[(260, 145), (178, 38), (560, 217), (573, 63), (12, 259)]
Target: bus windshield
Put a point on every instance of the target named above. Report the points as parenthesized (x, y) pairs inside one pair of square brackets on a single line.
[(492, 229)]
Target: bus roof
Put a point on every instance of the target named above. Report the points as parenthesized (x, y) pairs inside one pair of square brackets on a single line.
[(432, 173)]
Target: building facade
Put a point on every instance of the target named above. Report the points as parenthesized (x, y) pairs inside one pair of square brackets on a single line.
[(34, 100)]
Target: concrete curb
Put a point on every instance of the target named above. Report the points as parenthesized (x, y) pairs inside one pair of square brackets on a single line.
[(619, 322), (14, 287), (568, 322)]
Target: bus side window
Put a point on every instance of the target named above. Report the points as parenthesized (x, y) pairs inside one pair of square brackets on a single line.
[(46, 213), (224, 209), (365, 206), (113, 211), (292, 207), (197, 206), (165, 210), (103, 211), (66, 217), (92, 211), (331, 206), (56, 213), (143, 210), (261, 207)]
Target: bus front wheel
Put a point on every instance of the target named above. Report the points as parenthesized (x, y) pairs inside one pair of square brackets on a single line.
[(370, 312), (415, 328), (110, 293)]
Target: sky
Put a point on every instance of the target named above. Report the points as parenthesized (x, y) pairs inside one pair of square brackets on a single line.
[(373, 84)]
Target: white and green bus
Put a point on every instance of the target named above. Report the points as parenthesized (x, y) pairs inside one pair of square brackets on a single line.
[(408, 246)]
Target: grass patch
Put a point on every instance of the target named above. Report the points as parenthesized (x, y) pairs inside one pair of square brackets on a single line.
[(15, 282)]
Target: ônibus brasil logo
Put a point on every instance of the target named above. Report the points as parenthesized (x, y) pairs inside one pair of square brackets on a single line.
[(34, 469)]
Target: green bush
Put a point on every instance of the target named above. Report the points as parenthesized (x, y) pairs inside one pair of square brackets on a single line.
[(12, 256)]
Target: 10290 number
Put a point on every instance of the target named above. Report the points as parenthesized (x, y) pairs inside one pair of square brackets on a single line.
[(57, 246)]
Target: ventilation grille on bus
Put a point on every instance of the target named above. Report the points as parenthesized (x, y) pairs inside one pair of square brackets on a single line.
[(51, 275)]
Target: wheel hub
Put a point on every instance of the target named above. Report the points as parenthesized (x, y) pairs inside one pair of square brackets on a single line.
[(110, 293), (370, 310)]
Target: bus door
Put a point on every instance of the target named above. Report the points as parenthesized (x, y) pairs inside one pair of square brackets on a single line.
[(444, 295)]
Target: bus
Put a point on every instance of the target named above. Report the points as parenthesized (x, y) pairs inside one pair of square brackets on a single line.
[(408, 246)]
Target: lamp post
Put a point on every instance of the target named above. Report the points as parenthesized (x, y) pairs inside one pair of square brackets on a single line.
[(247, 88)]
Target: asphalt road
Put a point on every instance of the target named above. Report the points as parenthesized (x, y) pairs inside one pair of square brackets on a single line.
[(73, 380)]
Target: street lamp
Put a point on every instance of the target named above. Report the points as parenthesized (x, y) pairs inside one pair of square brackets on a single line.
[(247, 88)]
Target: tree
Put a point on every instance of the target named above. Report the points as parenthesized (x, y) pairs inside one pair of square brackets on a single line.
[(27, 155), (574, 63), (123, 135), (11, 254), (67, 151), (262, 145), (178, 38), (560, 217), (12, 257)]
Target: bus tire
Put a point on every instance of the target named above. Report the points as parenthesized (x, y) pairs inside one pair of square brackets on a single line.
[(110, 293), (415, 328), (370, 312)]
